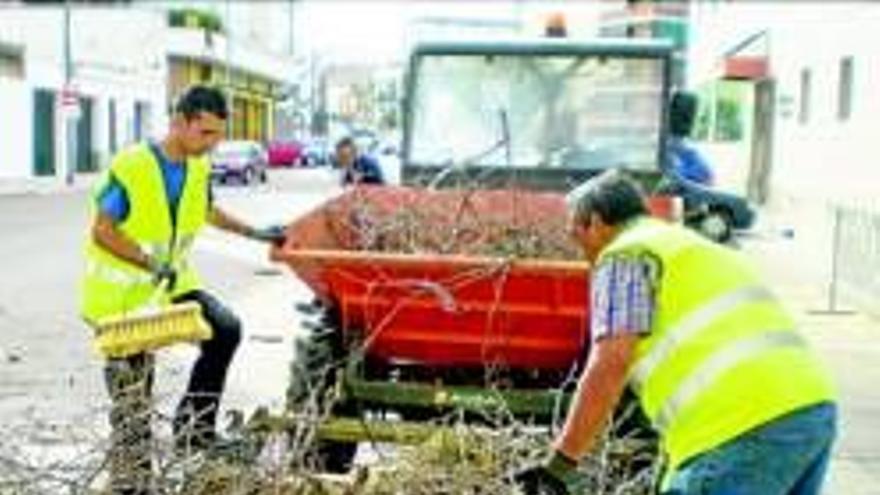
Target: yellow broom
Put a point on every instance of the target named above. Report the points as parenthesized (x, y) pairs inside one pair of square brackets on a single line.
[(151, 329)]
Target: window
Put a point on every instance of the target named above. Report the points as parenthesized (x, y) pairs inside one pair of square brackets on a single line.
[(804, 110), (845, 89), (11, 62), (205, 73)]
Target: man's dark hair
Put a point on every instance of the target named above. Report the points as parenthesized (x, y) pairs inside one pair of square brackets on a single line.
[(198, 99), (346, 142), (613, 196), (682, 113)]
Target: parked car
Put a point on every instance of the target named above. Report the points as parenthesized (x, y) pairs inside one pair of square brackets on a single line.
[(387, 148), (714, 213), (285, 153), (365, 140), (316, 152), (245, 161)]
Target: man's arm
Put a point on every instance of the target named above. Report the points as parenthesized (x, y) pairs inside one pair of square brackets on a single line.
[(622, 308), (274, 234), (598, 391), (224, 221), (106, 235)]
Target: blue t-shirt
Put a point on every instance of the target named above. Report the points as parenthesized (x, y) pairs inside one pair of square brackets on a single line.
[(113, 200), (364, 170), (688, 163)]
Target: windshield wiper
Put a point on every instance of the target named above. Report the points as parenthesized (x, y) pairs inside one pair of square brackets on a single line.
[(504, 141)]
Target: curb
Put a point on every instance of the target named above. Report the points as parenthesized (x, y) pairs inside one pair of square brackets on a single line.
[(46, 185)]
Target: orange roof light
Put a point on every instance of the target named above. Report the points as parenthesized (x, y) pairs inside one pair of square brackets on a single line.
[(555, 26)]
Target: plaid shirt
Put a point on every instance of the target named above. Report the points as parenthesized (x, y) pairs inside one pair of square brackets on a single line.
[(622, 297)]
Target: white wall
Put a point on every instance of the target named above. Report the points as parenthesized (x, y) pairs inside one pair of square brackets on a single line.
[(118, 53), (16, 129), (825, 159)]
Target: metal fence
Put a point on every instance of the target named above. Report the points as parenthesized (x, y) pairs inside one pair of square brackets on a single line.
[(856, 254)]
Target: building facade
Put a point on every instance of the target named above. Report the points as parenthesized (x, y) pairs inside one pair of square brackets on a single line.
[(118, 82), (121, 88), (820, 62), (201, 50), (655, 19), (813, 69)]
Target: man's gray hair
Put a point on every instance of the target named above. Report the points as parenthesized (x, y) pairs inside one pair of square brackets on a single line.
[(612, 195)]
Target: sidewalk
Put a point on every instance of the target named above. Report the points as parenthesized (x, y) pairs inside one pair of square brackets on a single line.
[(46, 185), (850, 344)]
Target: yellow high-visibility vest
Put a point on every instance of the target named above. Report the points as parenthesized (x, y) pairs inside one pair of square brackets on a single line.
[(723, 356), (112, 286)]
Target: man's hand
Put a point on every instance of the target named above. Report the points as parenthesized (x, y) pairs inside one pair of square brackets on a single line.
[(547, 478), (163, 273), (274, 234)]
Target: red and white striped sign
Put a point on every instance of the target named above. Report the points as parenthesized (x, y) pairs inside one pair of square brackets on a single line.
[(69, 97)]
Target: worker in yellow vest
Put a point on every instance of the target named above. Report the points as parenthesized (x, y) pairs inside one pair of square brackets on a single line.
[(741, 403), (147, 210)]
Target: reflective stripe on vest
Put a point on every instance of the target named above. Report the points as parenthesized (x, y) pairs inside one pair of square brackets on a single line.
[(119, 276), (691, 325), (719, 363), (114, 275)]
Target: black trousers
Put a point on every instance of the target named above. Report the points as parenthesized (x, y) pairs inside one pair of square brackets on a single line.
[(129, 383), (197, 411)]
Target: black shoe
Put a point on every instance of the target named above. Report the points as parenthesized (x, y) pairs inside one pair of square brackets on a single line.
[(312, 307), (129, 491)]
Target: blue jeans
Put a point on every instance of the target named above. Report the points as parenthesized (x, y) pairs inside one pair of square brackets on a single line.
[(788, 456)]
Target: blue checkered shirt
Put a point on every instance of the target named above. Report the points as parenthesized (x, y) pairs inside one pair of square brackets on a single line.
[(622, 296)]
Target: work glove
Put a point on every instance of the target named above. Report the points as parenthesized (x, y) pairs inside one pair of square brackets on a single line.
[(547, 478), (163, 272), (274, 234)]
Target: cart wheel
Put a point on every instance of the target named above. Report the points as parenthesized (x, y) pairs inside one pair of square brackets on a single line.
[(312, 373), (332, 456)]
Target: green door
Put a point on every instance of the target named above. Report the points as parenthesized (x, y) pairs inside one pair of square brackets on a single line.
[(44, 132), (85, 161), (111, 126)]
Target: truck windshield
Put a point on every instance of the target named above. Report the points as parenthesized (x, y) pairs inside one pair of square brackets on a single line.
[(590, 112)]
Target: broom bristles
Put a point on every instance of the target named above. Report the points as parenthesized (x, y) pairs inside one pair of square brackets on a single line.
[(128, 335)]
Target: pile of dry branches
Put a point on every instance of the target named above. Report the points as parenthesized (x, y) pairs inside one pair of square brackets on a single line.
[(503, 223), (272, 455), (459, 459)]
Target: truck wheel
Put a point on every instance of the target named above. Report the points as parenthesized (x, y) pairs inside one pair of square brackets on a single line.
[(716, 225), (312, 375), (334, 456)]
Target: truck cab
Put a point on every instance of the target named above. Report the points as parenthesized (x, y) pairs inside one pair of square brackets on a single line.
[(542, 114)]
